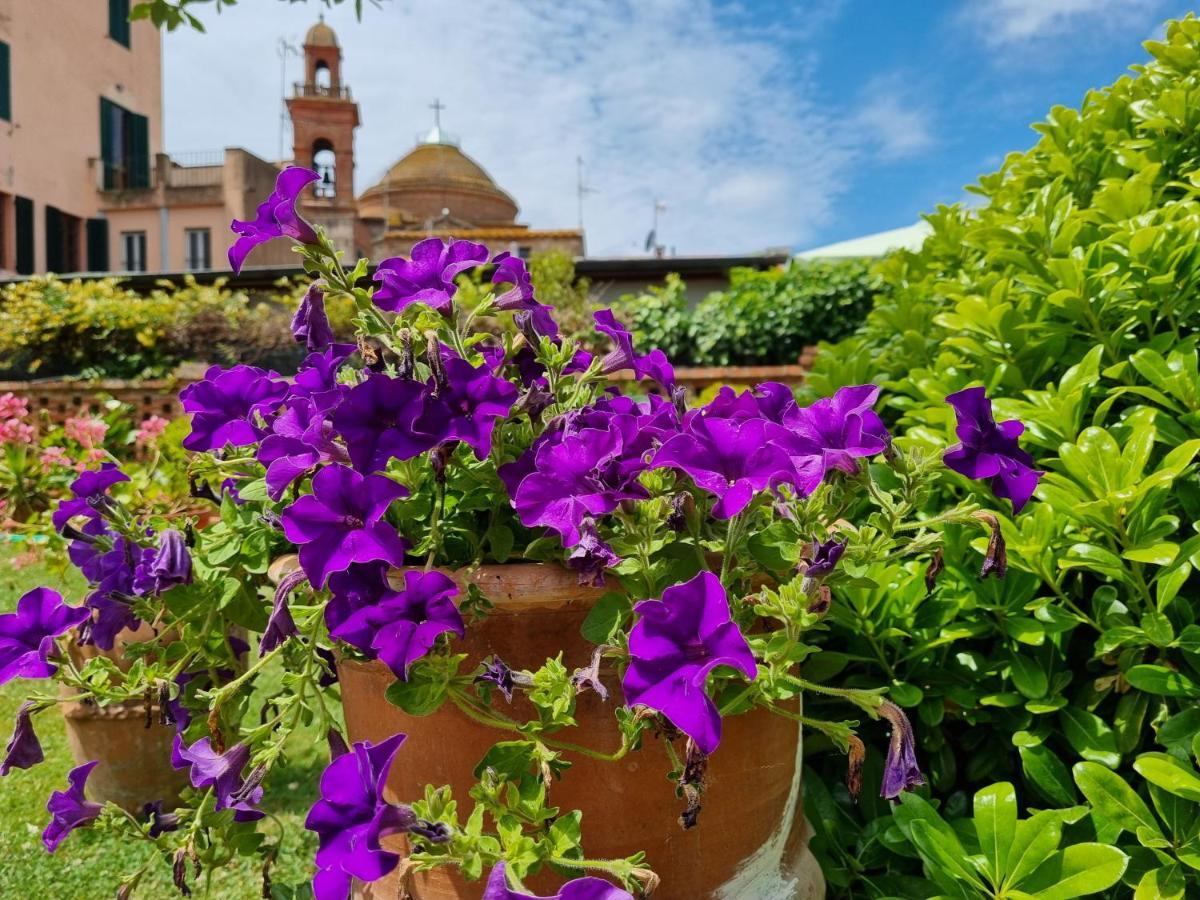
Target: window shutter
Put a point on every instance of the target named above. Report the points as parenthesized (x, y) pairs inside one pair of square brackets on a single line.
[(54, 240), (106, 145), (23, 208), (118, 21), (97, 245), (139, 150), (5, 83)]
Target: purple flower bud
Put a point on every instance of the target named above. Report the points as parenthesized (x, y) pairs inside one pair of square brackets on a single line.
[(163, 568), (825, 556), (337, 743), (591, 556), (310, 325), (280, 626), (24, 750), (160, 822), (496, 672), (900, 769)]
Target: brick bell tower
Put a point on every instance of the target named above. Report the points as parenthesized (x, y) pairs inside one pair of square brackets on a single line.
[(324, 117)]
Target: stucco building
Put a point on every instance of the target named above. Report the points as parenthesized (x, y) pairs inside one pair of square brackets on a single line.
[(100, 195)]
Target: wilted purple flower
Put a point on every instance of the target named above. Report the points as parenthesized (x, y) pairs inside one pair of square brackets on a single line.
[(27, 635), (341, 522), (675, 644), (900, 769), (825, 556), (352, 816), (497, 673), (591, 556), (833, 433), (162, 568), (732, 460), (377, 419), (225, 405), (160, 822), (402, 626), (568, 481), (223, 773), (467, 408), (280, 625), (990, 450), (580, 889), (276, 217), (24, 750), (589, 675), (428, 276), (68, 809), (310, 324)]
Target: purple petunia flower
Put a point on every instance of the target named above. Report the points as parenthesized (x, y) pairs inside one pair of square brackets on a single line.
[(226, 404), (676, 642), (24, 750), (360, 585), (310, 325), (352, 816), (825, 556), (401, 626), (276, 217), (989, 449), (301, 439), (377, 420), (497, 673), (428, 276), (467, 408), (511, 270), (580, 889), (160, 822), (591, 556), (654, 365), (27, 635), (223, 773), (341, 522), (900, 769), (90, 497), (833, 433), (732, 460), (68, 809), (164, 567)]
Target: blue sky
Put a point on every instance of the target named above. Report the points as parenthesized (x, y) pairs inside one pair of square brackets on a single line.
[(757, 123)]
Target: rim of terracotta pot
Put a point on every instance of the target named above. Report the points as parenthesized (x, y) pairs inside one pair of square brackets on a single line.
[(512, 588)]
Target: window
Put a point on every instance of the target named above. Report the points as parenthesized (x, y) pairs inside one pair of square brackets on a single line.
[(62, 241), (23, 209), (198, 242), (97, 245), (5, 84), (133, 251), (118, 21), (124, 147), (524, 252)]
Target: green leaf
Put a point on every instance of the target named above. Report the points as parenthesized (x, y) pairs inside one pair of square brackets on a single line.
[(1113, 798), (421, 695), (1169, 774), (933, 838), (1165, 883), (1028, 677), (605, 619), (995, 824), (1077, 871), (1162, 681), (500, 540), (1090, 736), (1034, 840), (1047, 774)]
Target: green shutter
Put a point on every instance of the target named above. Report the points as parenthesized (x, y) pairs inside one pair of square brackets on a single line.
[(54, 240), (5, 84), (118, 21), (97, 245), (138, 135), (23, 210), (106, 144)]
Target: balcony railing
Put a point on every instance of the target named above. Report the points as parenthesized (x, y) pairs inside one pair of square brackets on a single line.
[(320, 90), (203, 169)]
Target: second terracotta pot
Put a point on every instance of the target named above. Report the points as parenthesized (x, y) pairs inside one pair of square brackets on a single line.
[(752, 840)]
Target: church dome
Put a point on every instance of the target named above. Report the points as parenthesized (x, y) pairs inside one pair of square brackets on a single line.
[(320, 35), (436, 180)]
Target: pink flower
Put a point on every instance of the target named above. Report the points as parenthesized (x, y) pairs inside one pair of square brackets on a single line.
[(26, 558), (150, 430), (52, 458), (13, 407), (88, 432), (14, 431)]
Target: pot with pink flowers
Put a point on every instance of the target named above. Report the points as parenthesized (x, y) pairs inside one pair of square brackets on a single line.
[(562, 641)]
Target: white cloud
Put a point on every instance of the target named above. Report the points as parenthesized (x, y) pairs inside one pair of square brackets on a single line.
[(662, 98), (891, 123), (1005, 22)]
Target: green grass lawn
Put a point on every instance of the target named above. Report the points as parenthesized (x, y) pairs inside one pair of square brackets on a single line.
[(89, 865)]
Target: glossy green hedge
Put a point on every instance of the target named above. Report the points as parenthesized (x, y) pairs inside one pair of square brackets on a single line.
[(1072, 290), (763, 318)]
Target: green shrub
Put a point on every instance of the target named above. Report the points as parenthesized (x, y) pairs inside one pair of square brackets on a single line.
[(1073, 288), (763, 318)]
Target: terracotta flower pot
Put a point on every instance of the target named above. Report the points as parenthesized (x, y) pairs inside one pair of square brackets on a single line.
[(752, 840), (135, 761)]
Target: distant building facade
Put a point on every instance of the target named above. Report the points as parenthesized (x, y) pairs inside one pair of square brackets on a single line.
[(86, 187)]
